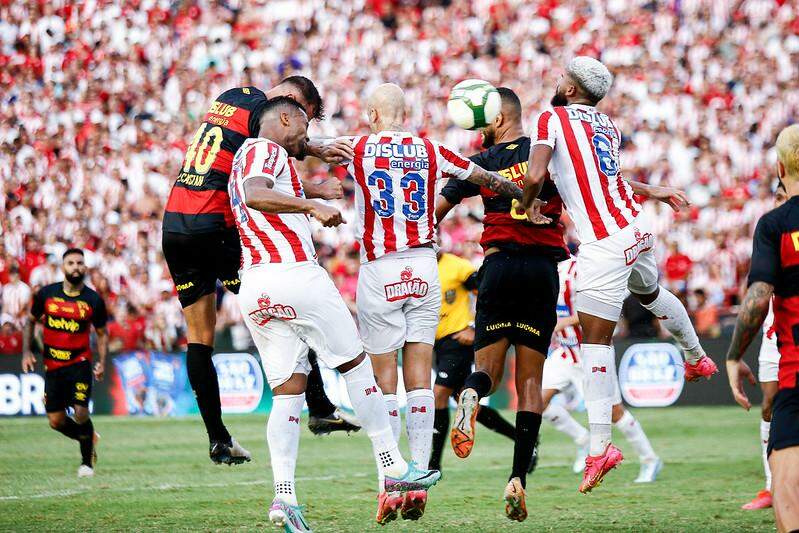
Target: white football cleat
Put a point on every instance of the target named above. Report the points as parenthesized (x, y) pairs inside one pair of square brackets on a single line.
[(238, 453), (85, 471), (649, 471)]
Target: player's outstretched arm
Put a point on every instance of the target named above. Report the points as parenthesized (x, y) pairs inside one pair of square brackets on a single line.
[(676, 198), (330, 189), (534, 178), (260, 195), (333, 151), (494, 182), (750, 319)]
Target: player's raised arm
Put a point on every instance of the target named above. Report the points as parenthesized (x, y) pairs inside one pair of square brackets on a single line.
[(543, 143), (334, 151), (494, 182), (675, 198)]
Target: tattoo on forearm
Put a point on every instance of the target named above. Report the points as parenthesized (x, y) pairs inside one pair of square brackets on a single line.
[(496, 183), (750, 318)]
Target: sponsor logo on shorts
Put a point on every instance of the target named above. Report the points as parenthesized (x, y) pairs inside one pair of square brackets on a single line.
[(408, 287), (231, 282), (184, 286), (642, 243), (519, 325), (267, 311)]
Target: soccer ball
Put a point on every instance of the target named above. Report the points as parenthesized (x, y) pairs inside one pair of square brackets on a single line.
[(473, 104)]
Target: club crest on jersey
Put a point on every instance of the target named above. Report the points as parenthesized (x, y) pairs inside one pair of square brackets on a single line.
[(643, 242), (449, 296), (408, 287), (267, 311)]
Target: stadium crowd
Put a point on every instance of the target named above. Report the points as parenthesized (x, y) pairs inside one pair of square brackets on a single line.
[(98, 100)]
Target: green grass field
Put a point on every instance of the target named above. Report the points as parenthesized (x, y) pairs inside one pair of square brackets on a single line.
[(155, 475)]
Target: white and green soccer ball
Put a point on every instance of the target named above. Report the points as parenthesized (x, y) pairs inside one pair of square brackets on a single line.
[(473, 104)]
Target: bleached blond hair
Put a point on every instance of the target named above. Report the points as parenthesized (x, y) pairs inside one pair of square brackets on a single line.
[(592, 76)]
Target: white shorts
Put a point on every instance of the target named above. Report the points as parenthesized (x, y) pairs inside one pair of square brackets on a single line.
[(607, 268), (399, 298), (289, 307), (560, 371), (768, 360)]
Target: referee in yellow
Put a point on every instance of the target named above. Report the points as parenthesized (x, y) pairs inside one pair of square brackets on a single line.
[(453, 351)]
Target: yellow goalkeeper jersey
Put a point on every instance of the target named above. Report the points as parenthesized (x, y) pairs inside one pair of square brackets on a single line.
[(456, 311)]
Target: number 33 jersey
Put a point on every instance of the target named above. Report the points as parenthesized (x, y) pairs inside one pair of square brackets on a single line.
[(395, 175), (585, 167), (198, 202)]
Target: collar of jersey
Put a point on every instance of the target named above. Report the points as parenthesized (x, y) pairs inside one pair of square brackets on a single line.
[(584, 106), (395, 133)]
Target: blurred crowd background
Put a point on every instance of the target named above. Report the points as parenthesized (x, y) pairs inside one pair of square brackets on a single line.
[(98, 100)]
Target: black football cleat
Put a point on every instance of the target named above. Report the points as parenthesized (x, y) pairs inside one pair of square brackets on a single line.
[(337, 421), (223, 453)]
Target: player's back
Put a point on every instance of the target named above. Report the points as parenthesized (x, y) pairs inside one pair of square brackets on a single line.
[(198, 202), (396, 174), (585, 167), (268, 237)]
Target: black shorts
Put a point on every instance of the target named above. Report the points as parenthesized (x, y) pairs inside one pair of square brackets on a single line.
[(517, 299), (197, 261), (784, 420), (68, 385), (453, 362)]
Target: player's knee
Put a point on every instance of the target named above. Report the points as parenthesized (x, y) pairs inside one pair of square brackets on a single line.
[(617, 413), (349, 365), (82, 416), (56, 423)]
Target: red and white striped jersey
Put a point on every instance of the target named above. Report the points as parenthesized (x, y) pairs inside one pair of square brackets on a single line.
[(396, 174), (585, 168), (568, 338), (268, 237)]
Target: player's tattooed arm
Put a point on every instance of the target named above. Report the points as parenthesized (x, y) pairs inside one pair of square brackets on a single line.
[(676, 198), (494, 182), (260, 195), (750, 318)]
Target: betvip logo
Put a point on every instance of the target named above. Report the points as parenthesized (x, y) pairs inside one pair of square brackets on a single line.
[(407, 287), (267, 311)]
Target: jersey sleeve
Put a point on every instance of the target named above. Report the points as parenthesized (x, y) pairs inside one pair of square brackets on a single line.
[(765, 252), (37, 305), (99, 313), (546, 126), (263, 159), (452, 163)]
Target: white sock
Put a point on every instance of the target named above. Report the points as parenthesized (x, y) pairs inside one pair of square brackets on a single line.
[(635, 435), (563, 421), (672, 314), (283, 439), (598, 368), (392, 406), (419, 416), (765, 428), (370, 408)]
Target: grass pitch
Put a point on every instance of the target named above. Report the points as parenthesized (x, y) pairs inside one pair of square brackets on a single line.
[(155, 475)]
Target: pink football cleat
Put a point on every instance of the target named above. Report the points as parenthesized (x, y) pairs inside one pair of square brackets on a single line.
[(704, 368), (388, 504), (761, 501), (413, 505), (596, 466)]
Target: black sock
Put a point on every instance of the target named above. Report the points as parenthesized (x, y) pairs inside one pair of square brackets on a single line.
[(319, 404), (440, 433), (86, 439), (204, 382), (480, 382), (71, 429), (491, 419), (527, 426)]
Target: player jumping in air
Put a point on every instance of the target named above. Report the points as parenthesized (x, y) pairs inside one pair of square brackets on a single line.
[(579, 146), (201, 244), (68, 310), (290, 304), (564, 367), (768, 361), (516, 297), (774, 279), (399, 294)]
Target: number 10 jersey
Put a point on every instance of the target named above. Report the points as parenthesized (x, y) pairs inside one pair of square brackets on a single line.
[(396, 173), (198, 202)]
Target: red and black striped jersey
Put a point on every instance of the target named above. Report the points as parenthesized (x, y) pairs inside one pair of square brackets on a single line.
[(775, 260), (505, 222), (67, 322), (199, 202)]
